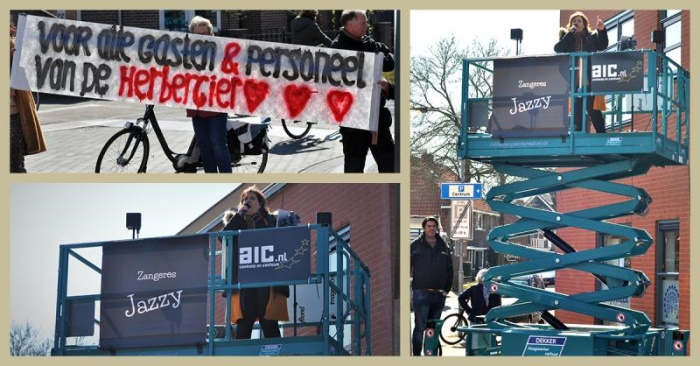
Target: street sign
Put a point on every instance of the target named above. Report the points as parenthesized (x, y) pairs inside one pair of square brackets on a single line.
[(461, 218), (460, 191)]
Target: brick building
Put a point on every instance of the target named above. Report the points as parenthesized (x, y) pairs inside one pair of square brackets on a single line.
[(365, 214), (667, 262)]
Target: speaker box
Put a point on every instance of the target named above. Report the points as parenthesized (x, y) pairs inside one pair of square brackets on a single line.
[(324, 218), (516, 33), (133, 220), (658, 36)]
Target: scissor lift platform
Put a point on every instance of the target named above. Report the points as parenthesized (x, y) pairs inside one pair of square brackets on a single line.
[(342, 286), (589, 161)]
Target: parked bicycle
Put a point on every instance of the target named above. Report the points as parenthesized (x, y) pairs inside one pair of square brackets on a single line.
[(127, 151), (296, 135), (448, 332)]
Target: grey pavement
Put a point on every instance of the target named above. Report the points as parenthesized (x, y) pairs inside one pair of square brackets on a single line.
[(76, 131)]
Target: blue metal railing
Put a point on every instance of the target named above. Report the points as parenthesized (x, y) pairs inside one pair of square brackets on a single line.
[(664, 101)]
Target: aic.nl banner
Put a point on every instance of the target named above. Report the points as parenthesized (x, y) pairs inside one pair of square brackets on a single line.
[(154, 292), (530, 96), (279, 254), (230, 75), (617, 71)]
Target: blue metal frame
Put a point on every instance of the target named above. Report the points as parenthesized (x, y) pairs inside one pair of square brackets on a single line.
[(599, 162), (353, 307)]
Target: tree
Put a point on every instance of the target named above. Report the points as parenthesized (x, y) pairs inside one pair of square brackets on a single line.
[(25, 340), (436, 89)]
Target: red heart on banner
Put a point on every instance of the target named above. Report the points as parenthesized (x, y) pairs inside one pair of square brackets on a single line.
[(255, 93), (340, 103), (296, 98)]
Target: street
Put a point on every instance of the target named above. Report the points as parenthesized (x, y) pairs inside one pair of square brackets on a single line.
[(76, 129)]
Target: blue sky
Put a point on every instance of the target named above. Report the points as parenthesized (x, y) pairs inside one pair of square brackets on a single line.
[(44, 216)]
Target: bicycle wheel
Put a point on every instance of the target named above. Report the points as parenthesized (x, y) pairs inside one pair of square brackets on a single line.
[(449, 333), (248, 163), (125, 152), (293, 135)]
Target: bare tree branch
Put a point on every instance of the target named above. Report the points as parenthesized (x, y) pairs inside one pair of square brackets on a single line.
[(436, 88), (25, 340)]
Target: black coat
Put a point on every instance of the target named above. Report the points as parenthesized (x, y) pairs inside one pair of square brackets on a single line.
[(591, 42), (431, 267), (474, 295), (307, 32)]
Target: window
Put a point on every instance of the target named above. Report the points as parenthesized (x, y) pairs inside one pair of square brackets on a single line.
[(618, 26), (178, 20), (672, 27), (667, 261), (175, 20), (479, 221)]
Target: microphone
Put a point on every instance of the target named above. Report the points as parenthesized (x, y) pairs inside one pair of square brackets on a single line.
[(573, 28), (241, 211)]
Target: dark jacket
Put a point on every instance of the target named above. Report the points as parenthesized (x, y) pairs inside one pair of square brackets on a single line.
[(256, 302), (591, 42), (306, 32), (367, 44), (475, 296), (431, 267), (346, 42)]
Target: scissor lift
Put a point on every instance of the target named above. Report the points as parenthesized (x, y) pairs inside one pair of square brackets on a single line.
[(600, 159), (344, 327)]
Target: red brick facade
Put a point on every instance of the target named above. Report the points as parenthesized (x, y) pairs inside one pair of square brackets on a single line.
[(670, 191)]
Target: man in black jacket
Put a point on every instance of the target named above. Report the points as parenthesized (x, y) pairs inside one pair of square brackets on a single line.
[(431, 279), (356, 142)]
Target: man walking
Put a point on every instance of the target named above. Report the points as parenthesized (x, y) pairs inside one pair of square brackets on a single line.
[(357, 142), (431, 279)]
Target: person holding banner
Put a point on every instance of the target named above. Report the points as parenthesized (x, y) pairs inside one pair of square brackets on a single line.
[(357, 142), (266, 304), (578, 37), (26, 137), (305, 30), (210, 127)]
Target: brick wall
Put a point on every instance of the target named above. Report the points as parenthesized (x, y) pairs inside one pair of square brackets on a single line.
[(669, 188)]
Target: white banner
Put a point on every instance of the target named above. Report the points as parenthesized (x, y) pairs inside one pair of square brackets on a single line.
[(240, 76)]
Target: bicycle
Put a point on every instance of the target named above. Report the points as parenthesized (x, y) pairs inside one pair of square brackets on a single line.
[(299, 135), (127, 151), (448, 332)]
